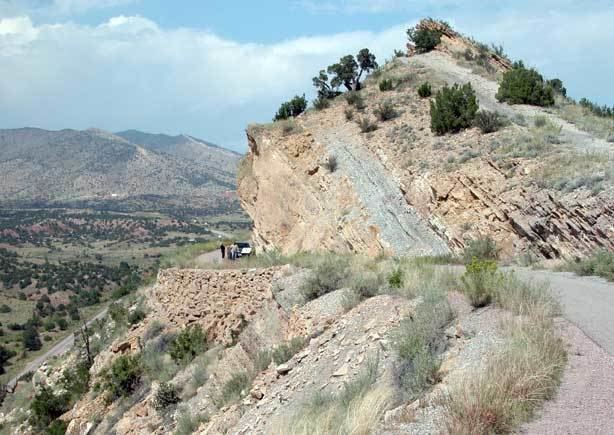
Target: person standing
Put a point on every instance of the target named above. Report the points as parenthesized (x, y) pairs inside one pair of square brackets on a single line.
[(223, 250)]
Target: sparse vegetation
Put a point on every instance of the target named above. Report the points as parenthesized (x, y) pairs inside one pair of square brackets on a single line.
[(568, 171), (285, 351), (357, 408), (600, 263), (488, 122), (354, 98), (526, 372), (525, 86), (238, 385), (349, 114), (331, 163), (385, 111), (321, 103), (454, 109), (366, 124), (386, 85), (425, 90), (187, 423), (482, 248), (330, 273)]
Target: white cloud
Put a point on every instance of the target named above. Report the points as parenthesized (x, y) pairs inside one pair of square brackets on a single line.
[(50, 8), (130, 73)]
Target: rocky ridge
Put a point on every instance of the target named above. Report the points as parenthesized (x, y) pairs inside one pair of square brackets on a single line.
[(403, 190)]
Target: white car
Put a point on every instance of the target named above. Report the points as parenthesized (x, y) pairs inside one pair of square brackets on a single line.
[(245, 249)]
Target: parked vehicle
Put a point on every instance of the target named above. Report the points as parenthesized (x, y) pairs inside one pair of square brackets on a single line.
[(245, 249)]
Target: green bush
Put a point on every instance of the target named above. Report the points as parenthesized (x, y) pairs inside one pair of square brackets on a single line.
[(62, 324), (386, 85), (292, 108), (57, 427), (366, 124), (424, 40), (453, 109), (118, 313), (165, 396), (187, 344), (47, 406), (285, 351), (4, 308), (123, 376), (329, 274), (481, 281), (30, 338), (525, 86), (488, 122), (395, 280), (76, 380), (136, 316), (425, 90), (385, 111), (321, 103), (483, 248)]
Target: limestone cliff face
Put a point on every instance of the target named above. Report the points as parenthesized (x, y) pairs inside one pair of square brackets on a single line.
[(403, 190), (301, 201), (296, 203)]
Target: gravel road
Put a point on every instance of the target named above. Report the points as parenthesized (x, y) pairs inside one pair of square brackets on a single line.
[(584, 403)]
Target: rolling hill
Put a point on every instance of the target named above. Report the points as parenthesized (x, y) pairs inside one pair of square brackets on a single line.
[(69, 165)]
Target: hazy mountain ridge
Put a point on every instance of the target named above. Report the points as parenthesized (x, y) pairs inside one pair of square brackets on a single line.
[(73, 165)]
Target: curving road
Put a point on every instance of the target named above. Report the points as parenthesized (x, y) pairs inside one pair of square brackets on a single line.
[(58, 349), (588, 302)]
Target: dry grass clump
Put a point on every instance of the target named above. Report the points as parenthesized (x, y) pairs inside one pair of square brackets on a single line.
[(525, 373), (513, 384), (356, 409)]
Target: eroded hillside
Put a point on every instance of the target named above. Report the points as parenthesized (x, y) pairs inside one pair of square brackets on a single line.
[(540, 185)]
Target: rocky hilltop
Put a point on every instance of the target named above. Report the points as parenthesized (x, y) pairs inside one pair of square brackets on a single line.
[(540, 186)]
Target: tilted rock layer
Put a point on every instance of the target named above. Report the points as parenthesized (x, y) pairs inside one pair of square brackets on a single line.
[(403, 190)]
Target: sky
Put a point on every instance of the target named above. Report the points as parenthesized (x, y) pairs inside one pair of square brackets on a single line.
[(208, 68)]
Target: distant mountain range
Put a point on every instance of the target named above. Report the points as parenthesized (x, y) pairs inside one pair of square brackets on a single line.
[(72, 165)]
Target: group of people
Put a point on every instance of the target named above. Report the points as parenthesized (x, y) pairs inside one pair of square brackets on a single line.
[(231, 252)]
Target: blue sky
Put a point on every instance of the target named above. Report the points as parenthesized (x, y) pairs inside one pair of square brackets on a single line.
[(209, 67)]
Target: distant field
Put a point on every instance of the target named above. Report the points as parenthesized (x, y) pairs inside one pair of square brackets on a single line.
[(58, 266)]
